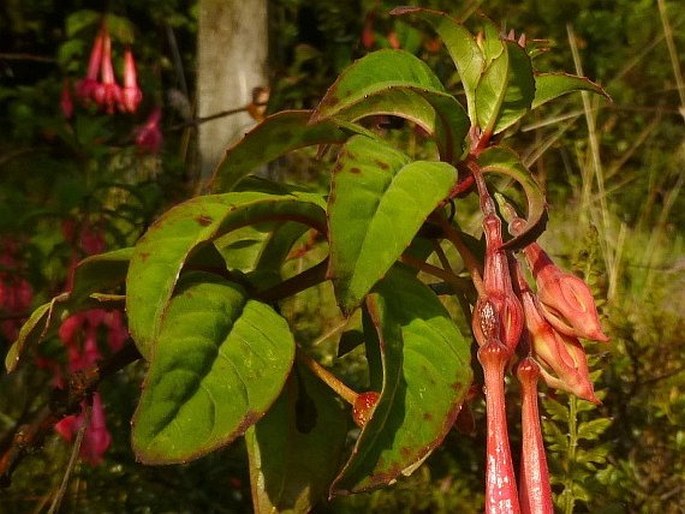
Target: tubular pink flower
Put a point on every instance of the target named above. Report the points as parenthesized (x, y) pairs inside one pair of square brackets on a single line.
[(501, 496), (566, 300), (108, 93), (535, 492), (86, 87), (131, 95)]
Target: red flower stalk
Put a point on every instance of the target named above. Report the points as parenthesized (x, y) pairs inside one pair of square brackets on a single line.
[(131, 95), (149, 136), (108, 93), (501, 496), (534, 486), (85, 88), (499, 293), (555, 351)]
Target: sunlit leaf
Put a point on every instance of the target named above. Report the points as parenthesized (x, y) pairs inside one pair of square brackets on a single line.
[(162, 252), (426, 373), (395, 82), (277, 135), (220, 362), (378, 202), (549, 86)]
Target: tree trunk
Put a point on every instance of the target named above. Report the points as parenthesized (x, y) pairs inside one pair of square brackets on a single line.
[(232, 61)]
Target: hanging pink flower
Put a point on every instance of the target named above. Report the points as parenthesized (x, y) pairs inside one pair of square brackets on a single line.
[(96, 439), (107, 94), (85, 88), (131, 95), (149, 136)]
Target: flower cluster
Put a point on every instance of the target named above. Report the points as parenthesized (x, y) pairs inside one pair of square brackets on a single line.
[(99, 84), (544, 327)]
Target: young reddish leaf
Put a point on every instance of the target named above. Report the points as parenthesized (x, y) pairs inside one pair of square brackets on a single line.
[(549, 86), (277, 135), (295, 450), (460, 44), (161, 253), (426, 374), (378, 202), (220, 362)]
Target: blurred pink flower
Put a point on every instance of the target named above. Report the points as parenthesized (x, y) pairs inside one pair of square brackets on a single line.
[(86, 87), (96, 439), (149, 136), (107, 94), (131, 95)]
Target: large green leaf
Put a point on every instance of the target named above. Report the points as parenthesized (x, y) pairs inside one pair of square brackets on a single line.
[(93, 275), (460, 44), (162, 252), (220, 362), (378, 202), (397, 83), (549, 86), (497, 159), (506, 89), (426, 373), (277, 135), (296, 449)]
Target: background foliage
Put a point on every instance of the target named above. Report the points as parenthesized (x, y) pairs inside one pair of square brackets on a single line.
[(613, 172)]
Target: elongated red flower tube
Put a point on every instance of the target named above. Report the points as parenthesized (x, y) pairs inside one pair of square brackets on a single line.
[(501, 496), (535, 492), (107, 94), (85, 88), (131, 95)]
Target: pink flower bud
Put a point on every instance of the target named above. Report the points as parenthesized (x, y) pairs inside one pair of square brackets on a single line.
[(131, 95), (566, 300), (558, 352), (535, 492)]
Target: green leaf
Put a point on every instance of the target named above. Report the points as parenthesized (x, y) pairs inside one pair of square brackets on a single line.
[(506, 90), (397, 83), (161, 253), (378, 202), (591, 430), (549, 86), (556, 410), (93, 275), (277, 135), (220, 362), (426, 373), (80, 20), (461, 46), (498, 159), (295, 450)]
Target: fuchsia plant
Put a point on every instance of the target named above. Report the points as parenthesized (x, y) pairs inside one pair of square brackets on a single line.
[(204, 287)]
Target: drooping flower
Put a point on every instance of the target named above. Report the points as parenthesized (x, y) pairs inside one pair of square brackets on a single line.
[(96, 438), (85, 88), (149, 136), (107, 94), (131, 95)]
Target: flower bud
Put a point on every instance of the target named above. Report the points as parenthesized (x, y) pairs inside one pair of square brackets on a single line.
[(558, 352), (149, 137), (566, 300)]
